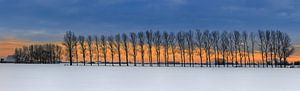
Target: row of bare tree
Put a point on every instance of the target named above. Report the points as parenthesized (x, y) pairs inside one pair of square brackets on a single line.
[(39, 53), (238, 49)]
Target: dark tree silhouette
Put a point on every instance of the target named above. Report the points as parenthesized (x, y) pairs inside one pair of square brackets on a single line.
[(111, 46), (166, 45), (118, 47), (199, 42), (224, 47), (58, 53), (81, 40), (76, 50), (253, 40), (103, 42), (287, 48), (262, 38), (149, 35), (141, 37), (280, 37), (261, 45), (245, 47), (90, 47), (173, 45), (267, 46), (237, 45), (182, 46), (190, 46), (207, 44), (18, 54), (232, 47), (272, 48), (125, 47), (157, 43), (69, 42), (215, 44), (133, 40), (97, 45)]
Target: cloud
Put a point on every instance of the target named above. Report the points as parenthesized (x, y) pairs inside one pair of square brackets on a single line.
[(39, 35), (49, 19), (37, 32)]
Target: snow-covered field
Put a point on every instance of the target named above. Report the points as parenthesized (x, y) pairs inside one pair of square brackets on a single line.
[(37, 77)]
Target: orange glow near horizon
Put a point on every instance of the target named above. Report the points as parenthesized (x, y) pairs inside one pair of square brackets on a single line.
[(8, 45)]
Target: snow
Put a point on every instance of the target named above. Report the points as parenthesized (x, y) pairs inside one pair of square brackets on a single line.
[(38, 77)]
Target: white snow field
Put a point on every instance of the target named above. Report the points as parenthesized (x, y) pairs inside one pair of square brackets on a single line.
[(38, 77)]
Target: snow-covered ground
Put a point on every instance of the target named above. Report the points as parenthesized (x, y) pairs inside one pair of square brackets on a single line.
[(37, 77)]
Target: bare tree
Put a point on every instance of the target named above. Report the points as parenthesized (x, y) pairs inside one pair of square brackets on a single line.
[(275, 47), (253, 40), (81, 40), (118, 46), (103, 43), (97, 44), (278, 42), (267, 46), (111, 46), (190, 44), (207, 44), (224, 47), (58, 52), (157, 43), (199, 42), (215, 44), (90, 47), (232, 49), (30, 53), (18, 54), (76, 49), (237, 45), (125, 46), (69, 42), (246, 48), (166, 45), (279, 47), (287, 48), (149, 35), (262, 43), (173, 45), (182, 46), (133, 40), (272, 48), (141, 38)]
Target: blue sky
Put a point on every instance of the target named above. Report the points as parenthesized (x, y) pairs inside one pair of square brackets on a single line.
[(49, 19)]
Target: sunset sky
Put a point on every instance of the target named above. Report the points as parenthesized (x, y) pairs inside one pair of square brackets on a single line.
[(26, 21)]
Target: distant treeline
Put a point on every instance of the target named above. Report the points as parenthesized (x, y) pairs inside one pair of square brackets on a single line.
[(235, 48), (39, 53)]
